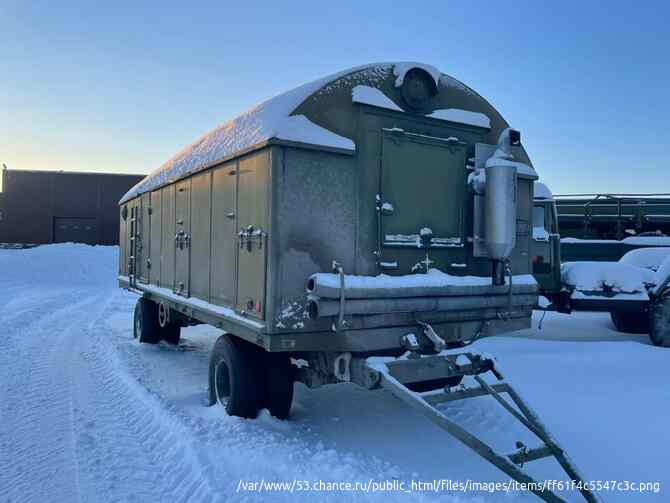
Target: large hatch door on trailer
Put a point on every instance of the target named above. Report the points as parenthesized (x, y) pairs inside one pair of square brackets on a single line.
[(183, 238), (422, 199)]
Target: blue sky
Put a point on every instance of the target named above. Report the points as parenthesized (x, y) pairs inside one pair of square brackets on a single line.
[(119, 86)]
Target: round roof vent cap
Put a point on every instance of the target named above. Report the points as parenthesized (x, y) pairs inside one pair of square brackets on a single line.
[(418, 88)]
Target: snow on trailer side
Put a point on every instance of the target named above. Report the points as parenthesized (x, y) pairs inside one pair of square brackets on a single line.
[(649, 258)]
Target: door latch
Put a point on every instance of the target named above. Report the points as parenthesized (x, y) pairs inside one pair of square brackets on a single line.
[(182, 239), (249, 235)]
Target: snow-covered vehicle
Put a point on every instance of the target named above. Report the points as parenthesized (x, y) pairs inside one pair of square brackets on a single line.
[(382, 211), (635, 290)]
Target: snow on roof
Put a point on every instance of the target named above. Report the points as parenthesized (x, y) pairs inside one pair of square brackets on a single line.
[(649, 258), (647, 240), (373, 96), (273, 119), (599, 276), (542, 191), (401, 69), (462, 116), (269, 119)]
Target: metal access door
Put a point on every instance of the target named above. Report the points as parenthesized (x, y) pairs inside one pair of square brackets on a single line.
[(423, 187), (75, 230), (144, 237), (131, 242), (252, 198), (182, 237)]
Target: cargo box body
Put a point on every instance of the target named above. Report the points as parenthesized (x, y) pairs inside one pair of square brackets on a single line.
[(232, 240)]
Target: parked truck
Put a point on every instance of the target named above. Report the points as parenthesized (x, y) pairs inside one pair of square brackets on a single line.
[(635, 289), (383, 212), (613, 216)]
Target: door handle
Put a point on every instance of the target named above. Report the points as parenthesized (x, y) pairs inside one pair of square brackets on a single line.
[(180, 239), (250, 234)]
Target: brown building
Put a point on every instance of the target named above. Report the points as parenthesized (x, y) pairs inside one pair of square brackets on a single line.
[(38, 207)]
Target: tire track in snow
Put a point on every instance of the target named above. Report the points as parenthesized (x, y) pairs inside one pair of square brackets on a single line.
[(132, 448), (37, 456), (75, 428)]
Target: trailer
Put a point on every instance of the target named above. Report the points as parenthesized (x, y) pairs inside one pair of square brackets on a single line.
[(608, 250), (634, 287), (613, 216), (381, 212)]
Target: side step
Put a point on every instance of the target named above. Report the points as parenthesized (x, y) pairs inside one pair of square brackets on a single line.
[(393, 376)]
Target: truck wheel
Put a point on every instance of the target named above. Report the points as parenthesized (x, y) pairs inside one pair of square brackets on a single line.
[(145, 324), (236, 376), (630, 322), (171, 333), (279, 379), (659, 332)]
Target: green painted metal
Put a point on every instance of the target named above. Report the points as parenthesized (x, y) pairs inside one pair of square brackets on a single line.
[(183, 238), (156, 218), (412, 167), (546, 254), (612, 216), (201, 233), (280, 211), (252, 206), (223, 268), (168, 229)]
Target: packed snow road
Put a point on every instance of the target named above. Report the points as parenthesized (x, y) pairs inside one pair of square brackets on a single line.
[(87, 414)]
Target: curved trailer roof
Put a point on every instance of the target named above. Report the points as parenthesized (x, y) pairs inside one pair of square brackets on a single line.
[(319, 113)]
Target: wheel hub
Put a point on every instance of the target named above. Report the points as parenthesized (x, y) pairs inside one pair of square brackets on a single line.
[(163, 315)]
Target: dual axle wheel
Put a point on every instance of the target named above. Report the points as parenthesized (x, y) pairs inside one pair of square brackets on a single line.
[(656, 322), (243, 377), (152, 326)]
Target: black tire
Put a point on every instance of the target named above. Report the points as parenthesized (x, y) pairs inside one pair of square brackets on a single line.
[(171, 333), (659, 330), (236, 377), (630, 322), (145, 322), (279, 379)]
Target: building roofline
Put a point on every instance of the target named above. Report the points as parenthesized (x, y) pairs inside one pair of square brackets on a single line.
[(64, 172)]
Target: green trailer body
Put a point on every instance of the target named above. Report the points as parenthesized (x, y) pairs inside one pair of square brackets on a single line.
[(232, 241), (381, 212)]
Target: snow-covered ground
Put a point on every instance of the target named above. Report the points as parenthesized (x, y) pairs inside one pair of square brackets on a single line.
[(87, 414)]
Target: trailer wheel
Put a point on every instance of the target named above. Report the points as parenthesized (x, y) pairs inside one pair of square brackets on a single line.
[(171, 333), (279, 379), (630, 322), (659, 332), (145, 324), (236, 376)]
